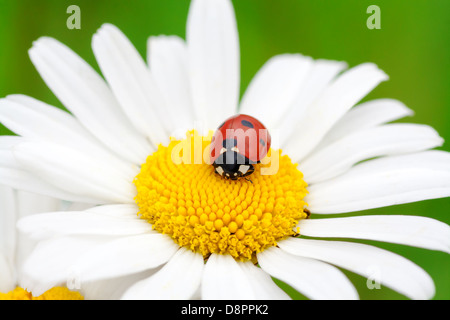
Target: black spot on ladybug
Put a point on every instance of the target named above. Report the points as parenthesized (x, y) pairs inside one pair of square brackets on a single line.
[(247, 123), (262, 142)]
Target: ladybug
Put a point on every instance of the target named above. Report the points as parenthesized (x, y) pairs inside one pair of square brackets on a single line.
[(239, 143)]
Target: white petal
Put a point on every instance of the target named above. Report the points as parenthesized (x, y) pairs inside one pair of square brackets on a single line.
[(121, 211), (178, 279), (126, 255), (112, 289), (214, 66), (114, 220), (75, 172), (13, 175), (366, 115), (36, 120), (374, 263), (272, 91), (22, 180), (6, 156), (130, 80), (52, 263), (14, 247), (86, 95), (391, 139), (75, 206), (7, 278), (29, 204), (223, 279), (167, 59), (315, 279), (333, 103), (8, 216), (318, 79), (383, 182), (415, 231), (262, 284)]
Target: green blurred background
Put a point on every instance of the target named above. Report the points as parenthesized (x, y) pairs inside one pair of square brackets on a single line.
[(412, 47)]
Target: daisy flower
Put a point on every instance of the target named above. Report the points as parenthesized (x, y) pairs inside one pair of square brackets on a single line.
[(162, 229), (14, 248)]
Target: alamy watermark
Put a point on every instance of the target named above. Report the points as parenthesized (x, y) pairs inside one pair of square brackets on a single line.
[(191, 151), (74, 20), (374, 20), (73, 281), (374, 277)]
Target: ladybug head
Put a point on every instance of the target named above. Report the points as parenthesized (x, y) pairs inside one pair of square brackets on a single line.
[(232, 165)]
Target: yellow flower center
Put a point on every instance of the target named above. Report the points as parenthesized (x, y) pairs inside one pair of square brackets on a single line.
[(56, 293), (179, 193)]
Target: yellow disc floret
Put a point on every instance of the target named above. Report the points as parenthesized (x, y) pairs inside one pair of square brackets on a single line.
[(56, 293), (181, 196)]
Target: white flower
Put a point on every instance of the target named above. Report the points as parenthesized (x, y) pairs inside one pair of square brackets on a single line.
[(14, 247), (94, 154)]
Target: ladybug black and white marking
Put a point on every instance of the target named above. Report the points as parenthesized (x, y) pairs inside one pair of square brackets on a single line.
[(239, 143)]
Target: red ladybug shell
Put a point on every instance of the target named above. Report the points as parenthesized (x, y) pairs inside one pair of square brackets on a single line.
[(251, 144)]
